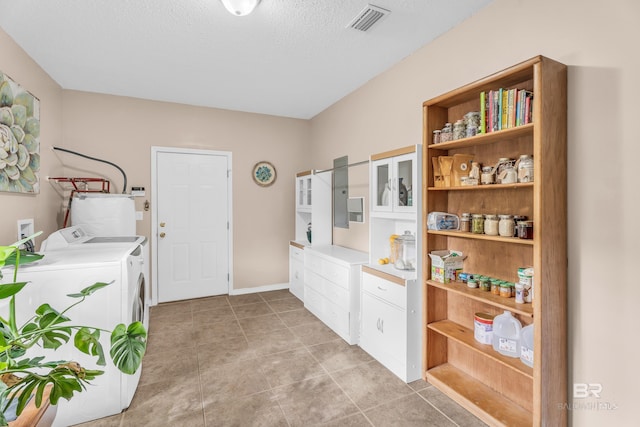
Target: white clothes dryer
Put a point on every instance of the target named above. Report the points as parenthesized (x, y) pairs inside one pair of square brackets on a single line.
[(67, 271)]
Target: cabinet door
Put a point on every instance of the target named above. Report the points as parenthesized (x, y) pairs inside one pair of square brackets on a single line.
[(303, 193), (381, 186), (296, 278), (404, 179), (383, 333)]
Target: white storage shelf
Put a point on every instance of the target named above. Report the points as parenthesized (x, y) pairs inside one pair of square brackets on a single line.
[(391, 322), (332, 287)]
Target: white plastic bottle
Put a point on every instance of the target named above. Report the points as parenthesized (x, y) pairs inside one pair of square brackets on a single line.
[(506, 334), (526, 345)]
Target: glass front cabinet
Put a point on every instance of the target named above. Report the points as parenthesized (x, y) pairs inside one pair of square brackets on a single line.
[(393, 182), (303, 191)]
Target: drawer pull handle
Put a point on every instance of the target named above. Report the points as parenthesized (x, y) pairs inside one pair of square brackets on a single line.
[(382, 289)]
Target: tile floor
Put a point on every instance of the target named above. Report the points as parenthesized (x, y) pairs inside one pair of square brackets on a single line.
[(263, 360)]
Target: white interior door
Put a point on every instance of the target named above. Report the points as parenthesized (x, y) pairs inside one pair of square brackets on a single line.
[(192, 224)]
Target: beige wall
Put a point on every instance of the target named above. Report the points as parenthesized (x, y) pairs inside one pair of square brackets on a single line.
[(123, 130), (598, 41), (21, 68)]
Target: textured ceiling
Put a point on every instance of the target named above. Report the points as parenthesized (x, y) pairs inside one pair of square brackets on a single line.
[(291, 58)]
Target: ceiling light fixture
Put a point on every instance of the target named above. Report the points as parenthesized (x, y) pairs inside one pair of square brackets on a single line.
[(240, 7)]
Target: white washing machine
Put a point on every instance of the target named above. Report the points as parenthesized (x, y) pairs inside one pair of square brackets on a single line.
[(69, 269)]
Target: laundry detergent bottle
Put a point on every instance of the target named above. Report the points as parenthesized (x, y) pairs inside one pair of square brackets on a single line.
[(506, 334)]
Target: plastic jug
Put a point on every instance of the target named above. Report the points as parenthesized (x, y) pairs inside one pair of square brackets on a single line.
[(526, 345), (506, 334)]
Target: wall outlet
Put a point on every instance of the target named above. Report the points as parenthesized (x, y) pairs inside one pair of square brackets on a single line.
[(26, 229)]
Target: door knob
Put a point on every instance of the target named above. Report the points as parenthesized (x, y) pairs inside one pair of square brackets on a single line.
[(162, 224), (162, 234)]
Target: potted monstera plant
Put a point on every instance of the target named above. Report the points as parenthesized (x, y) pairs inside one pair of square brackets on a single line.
[(29, 378)]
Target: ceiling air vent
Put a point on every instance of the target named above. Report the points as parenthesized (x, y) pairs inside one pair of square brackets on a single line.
[(367, 17)]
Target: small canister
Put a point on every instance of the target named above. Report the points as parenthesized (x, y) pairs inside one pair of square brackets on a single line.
[(525, 168), (487, 176), (459, 130), (516, 220), (484, 284), (447, 133), (495, 287), (505, 290), (436, 136), (525, 229), (506, 226), (483, 328), (465, 222), (491, 225), (477, 224), (472, 282), (519, 293)]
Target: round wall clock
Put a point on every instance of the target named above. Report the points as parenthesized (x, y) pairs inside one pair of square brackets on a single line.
[(264, 174)]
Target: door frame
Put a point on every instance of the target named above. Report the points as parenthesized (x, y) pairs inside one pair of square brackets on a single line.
[(154, 210)]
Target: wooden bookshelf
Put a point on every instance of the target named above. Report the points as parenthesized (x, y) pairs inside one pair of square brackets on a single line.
[(501, 391)]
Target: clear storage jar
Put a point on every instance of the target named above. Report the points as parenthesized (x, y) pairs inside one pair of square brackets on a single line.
[(491, 225), (525, 168), (477, 224), (465, 222), (506, 226)]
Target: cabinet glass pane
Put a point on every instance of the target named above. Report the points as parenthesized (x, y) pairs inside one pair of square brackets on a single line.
[(382, 184), (405, 183), (300, 192), (308, 191)]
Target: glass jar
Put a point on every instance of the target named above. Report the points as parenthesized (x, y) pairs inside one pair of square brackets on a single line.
[(484, 284), (505, 290), (495, 287), (491, 225), (525, 168), (477, 224), (516, 220), (405, 252), (525, 229), (436, 136), (459, 130), (465, 222), (472, 118), (487, 176), (506, 226), (472, 283), (446, 134), (506, 163)]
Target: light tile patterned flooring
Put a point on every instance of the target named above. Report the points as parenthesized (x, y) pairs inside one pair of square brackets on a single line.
[(263, 360)]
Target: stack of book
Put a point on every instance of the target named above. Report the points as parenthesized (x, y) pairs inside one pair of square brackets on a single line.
[(504, 109)]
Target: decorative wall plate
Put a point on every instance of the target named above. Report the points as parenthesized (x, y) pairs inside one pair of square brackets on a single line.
[(264, 174)]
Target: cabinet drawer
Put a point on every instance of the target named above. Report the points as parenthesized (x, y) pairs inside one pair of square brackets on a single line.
[(314, 281), (337, 318), (314, 302), (335, 273), (337, 295), (296, 253), (384, 289), (313, 262)]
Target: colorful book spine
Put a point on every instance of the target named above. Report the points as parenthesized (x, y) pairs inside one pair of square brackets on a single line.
[(483, 112)]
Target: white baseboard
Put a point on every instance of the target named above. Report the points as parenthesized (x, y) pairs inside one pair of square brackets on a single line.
[(265, 288)]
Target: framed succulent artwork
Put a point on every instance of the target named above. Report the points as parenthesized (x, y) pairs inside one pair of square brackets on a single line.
[(264, 174), (19, 138)]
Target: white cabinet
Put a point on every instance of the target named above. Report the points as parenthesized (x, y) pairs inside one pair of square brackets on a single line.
[(390, 322), (332, 287), (303, 191), (393, 182), (296, 270), (391, 312)]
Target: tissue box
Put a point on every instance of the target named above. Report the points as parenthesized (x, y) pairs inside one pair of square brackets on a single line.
[(446, 265)]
